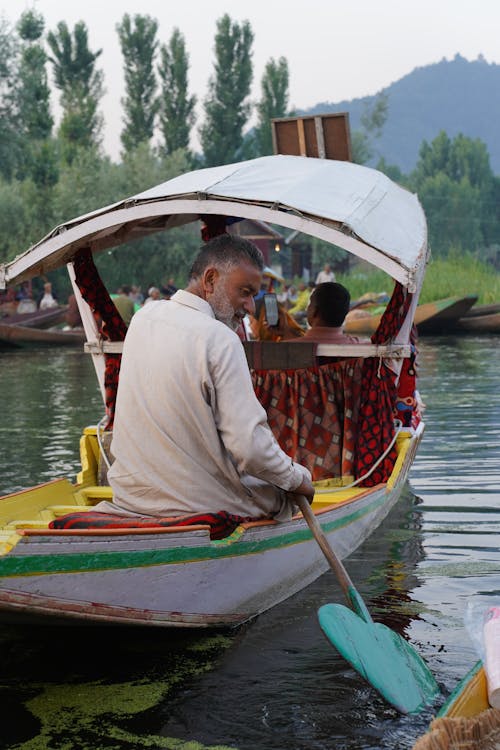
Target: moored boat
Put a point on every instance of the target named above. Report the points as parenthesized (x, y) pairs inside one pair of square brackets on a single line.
[(17, 335), (37, 319), (480, 310), (487, 323), (438, 317), (179, 572)]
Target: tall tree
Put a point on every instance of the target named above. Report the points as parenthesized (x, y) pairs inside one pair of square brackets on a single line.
[(227, 108), (458, 190), (273, 102), (373, 120), (139, 46), (81, 86), (35, 118), (34, 92), (176, 107), (9, 120)]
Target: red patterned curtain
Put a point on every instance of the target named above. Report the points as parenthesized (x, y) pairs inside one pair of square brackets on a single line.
[(313, 414), (407, 406), (109, 321), (213, 225), (379, 394)]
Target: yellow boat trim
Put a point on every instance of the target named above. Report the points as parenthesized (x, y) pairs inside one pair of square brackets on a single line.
[(35, 508), (403, 442)]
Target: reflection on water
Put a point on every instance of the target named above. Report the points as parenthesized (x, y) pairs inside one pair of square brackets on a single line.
[(48, 395), (276, 682)]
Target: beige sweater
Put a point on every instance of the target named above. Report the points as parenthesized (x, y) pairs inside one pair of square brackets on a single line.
[(189, 433)]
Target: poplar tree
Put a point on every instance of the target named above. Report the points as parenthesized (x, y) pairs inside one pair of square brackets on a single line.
[(139, 46), (273, 102), (176, 107), (35, 118), (9, 121), (227, 108), (81, 86), (373, 119)]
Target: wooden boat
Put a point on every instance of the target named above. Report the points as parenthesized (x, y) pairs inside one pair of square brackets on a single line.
[(477, 311), (488, 323), (17, 335), (38, 319), (178, 575), (466, 720), (436, 317)]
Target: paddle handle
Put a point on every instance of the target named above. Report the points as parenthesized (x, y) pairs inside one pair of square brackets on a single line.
[(319, 535), (354, 600)]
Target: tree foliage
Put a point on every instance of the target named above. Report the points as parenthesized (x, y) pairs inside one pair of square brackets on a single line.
[(10, 142), (33, 96), (273, 102), (373, 120), (458, 190), (139, 46), (227, 107), (177, 114), (81, 86)]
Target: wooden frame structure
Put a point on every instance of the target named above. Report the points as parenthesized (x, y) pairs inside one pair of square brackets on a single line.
[(322, 136)]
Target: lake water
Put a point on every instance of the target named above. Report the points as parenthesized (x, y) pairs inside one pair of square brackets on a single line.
[(276, 683)]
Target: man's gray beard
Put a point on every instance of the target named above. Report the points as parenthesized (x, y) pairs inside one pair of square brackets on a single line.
[(223, 310)]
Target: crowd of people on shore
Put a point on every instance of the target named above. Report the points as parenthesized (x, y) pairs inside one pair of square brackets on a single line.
[(293, 297)]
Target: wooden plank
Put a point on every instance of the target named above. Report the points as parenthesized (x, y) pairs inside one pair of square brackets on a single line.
[(391, 351), (337, 136), (320, 137), (268, 355), (302, 138), (324, 136)]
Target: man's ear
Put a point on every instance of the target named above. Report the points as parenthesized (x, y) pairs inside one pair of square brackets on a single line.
[(209, 278)]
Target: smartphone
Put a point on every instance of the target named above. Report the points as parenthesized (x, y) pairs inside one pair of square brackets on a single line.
[(271, 309)]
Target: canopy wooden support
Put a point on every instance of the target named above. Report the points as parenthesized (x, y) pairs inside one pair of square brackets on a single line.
[(286, 354)]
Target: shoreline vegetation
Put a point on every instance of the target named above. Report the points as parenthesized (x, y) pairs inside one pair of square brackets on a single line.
[(456, 275)]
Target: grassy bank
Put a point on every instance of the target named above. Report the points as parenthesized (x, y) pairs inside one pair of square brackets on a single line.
[(455, 276)]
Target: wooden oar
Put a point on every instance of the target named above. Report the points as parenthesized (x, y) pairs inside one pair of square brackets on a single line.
[(385, 659)]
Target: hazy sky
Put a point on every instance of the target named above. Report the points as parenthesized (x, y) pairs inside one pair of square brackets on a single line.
[(335, 50)]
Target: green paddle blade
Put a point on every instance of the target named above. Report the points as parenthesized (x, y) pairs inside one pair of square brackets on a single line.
[(382, 657)]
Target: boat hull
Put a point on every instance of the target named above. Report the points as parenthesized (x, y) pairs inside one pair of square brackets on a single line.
[(489, 323), (38, 319), (16, 335), (181, 579)]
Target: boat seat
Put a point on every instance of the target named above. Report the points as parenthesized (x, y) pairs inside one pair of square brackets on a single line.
[(93, 494)]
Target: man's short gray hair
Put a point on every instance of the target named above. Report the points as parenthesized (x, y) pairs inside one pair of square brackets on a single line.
[(226, 251)]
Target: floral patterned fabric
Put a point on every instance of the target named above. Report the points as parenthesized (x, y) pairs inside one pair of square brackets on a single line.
[(109, 321), (313, 413), (378, 404)]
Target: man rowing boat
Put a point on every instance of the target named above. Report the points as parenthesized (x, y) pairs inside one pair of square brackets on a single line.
[(189, 434)]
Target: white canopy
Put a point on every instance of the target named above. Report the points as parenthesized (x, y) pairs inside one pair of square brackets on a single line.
[(351, 206)]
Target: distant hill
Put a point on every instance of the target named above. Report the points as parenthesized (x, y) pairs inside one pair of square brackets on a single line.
[(456, 96)]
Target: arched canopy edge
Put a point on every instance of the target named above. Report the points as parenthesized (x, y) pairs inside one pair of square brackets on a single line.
[(123, 223)]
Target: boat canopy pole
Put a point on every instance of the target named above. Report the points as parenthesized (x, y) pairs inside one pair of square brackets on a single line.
[(90, 328)]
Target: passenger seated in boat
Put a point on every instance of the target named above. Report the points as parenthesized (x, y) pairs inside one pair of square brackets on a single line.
[(48, 300), (326, 312), (189, 433)]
